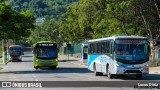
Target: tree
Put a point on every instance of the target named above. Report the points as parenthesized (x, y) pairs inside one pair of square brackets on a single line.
[(48, 9), (48, 31), (14, 25), (150, 18), (110, 17), (80, 20)]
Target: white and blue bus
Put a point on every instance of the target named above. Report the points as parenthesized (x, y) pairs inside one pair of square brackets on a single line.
[(119, 55)]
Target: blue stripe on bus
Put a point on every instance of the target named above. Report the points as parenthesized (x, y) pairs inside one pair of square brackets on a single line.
[(91, 58)]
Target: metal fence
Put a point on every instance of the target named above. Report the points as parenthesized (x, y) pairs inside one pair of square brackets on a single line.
[(75, 49)]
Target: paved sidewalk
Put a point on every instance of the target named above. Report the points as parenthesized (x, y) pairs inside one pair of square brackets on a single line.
[(152, 70), (72, 60)]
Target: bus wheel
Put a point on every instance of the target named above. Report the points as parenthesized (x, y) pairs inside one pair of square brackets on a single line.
[(139, 76), (36, 67), (53, 67), (108, 73), (95, 71)]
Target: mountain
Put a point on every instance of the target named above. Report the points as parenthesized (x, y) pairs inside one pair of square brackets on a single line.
[(49, 9)]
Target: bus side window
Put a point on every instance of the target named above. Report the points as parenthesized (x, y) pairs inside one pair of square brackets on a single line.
[(94, 48), (91, 48), (107, 46), (111, 47), (103, 47), (98, 47)]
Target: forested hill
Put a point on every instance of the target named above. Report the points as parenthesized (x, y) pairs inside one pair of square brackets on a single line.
[(42, 8)]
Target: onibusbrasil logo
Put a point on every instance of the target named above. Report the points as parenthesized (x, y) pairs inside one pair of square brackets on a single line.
[(21, 85)]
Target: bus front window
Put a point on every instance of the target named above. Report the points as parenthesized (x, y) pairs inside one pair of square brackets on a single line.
[(46, 52), (15, 51), (131, 52)]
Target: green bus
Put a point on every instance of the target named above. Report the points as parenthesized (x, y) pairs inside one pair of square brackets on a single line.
[(45, 54)]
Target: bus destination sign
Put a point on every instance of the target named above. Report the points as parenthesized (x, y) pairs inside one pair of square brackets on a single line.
[(130, 41), (46, 44)]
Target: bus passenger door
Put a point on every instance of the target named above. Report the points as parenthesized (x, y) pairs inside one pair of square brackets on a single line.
[(104, 54), (84, 54), (112, 57)]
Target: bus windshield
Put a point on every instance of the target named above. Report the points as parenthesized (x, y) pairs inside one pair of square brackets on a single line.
[(46, 52), (133, 50), (15, 51)]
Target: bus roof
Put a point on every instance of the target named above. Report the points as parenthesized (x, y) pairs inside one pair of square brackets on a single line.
[(15, 46), (118, 37), (84, 44), (43, 42)]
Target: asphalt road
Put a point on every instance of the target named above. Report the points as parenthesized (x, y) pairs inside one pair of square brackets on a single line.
[(66, 71)]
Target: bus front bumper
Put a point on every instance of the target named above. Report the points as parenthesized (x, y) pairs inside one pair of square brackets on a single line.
[(46, 63), (144, 70)]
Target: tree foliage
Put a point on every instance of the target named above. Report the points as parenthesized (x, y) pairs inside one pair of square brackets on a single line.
[(13, 24), (110, 17), (48, 31), (48, 9)]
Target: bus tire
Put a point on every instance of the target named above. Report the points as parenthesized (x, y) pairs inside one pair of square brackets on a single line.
[(95, 71), (110, 76), (53, 67), (139, 76), (100, 74), (36, 67), (108, 73)]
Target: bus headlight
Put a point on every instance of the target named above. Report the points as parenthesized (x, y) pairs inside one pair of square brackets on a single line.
[(117, 65), (146, 65)]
